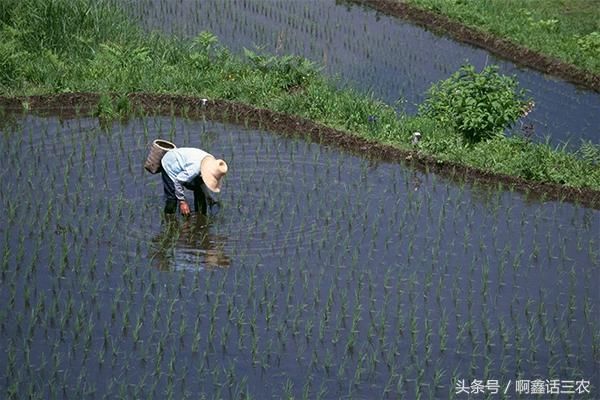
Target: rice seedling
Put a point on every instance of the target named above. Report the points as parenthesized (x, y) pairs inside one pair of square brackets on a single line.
[(379, 300)]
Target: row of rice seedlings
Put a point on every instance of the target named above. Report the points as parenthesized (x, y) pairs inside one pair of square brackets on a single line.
[(284, 311)]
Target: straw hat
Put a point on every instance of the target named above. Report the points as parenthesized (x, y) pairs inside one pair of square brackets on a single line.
[(212, 170)]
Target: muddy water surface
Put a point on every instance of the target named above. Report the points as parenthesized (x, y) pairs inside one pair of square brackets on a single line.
[(322, 273)]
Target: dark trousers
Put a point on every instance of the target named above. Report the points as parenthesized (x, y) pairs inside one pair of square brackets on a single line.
[(196, 185)]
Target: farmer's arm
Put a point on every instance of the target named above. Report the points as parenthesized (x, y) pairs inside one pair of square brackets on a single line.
[(179, 193), (187, 175)]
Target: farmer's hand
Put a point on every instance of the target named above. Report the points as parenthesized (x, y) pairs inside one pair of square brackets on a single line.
[(184, 207)]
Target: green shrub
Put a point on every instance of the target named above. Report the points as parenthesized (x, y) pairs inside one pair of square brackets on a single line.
[(590, 43), (205, 49), (290, 72), (478, 105)]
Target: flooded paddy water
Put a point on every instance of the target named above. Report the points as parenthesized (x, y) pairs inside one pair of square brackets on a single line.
[(323, 274), (392, 58)]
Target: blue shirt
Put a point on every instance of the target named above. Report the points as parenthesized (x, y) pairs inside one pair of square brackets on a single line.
[(182, 165)]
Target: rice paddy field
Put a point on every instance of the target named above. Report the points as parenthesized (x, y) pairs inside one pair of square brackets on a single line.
[(322, 275), (392, 58)]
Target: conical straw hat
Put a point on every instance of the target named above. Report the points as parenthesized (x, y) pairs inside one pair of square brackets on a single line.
[(212, 170)]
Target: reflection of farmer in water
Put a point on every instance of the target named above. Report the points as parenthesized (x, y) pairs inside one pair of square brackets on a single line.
[(193, 169), (188, 245)]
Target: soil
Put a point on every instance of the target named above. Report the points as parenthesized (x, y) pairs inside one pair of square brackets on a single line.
[(501, 47), (70, 105)]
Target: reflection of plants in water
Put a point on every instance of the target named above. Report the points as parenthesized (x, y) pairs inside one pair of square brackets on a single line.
[(188, 244), (8, 122)]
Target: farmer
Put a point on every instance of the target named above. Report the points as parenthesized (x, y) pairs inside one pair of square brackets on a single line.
[(193, 169)]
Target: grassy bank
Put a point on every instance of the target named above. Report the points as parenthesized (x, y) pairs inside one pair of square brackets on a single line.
[(80, 46), (567, 30)]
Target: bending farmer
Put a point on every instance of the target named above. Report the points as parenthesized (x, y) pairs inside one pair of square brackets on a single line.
[(192, 169)]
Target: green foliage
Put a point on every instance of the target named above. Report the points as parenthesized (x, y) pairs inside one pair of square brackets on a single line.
[(533, 161), (205, 50), (478, 105), (590, 44), (590, 152), (109, 108), (124, 66), (550, 24), (38, 37), (62, 25), (290, 72), (10, 58)]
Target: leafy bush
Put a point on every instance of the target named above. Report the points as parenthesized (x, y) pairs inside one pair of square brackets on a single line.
[(205, 49), (590, 43), (478, 105)]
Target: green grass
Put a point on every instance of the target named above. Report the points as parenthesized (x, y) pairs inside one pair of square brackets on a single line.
[(566, 29), (54, 46)]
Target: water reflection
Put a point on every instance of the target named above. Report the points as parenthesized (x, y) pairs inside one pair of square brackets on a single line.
[(188, 244)]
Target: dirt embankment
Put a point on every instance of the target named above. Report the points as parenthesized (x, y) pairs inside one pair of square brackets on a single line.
[(78, 104), (498, 46)]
